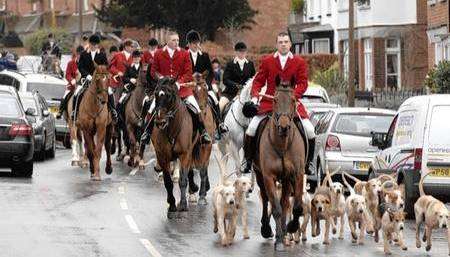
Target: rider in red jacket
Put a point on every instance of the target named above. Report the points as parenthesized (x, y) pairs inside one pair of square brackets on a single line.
[(285, 65)]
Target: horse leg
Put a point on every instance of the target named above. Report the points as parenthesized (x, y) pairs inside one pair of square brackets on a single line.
[(285, 207), (168, 184), (89, 145), (203, 188), (297, 209), (82, 150), (266, 230), (131, 145), (75, 147), (271, 190), (183, 182), (193, 188), (101, 132), (108, 148)]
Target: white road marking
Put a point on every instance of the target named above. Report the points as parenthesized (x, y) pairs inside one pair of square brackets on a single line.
[(123, 204), (133, 171), (150, 248), (121, 190), (133, 226)]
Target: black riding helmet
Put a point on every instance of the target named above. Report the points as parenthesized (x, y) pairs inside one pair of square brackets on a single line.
[(193, 37), (94, 39)]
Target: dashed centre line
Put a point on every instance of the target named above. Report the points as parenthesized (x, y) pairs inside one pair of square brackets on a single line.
[(123, 204), (133, 226), (150, 248)]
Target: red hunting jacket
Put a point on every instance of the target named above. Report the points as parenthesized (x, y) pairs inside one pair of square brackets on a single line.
[(147, 57), (71, 73), (179, 67), (269, 68), (119, 63)]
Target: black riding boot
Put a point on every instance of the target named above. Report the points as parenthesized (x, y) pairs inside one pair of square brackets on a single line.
[(205, 138), (249, 153), (112, 108), (147, 132), (309, 161), (76, 105), (63, 105), (144, 111)]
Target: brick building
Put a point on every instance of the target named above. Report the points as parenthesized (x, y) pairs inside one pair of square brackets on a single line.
[(438, 31), (390, 40)]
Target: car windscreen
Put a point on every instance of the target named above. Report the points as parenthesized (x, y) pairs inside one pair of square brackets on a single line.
[(362, 124), (439, 127), (9, 106), (48, 91), (29, 102), (316, 116), (312, 99)]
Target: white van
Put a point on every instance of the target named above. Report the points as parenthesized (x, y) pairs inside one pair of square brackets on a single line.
[(418, 142)]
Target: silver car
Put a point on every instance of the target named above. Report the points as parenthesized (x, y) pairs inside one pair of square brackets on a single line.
[(343, 140)]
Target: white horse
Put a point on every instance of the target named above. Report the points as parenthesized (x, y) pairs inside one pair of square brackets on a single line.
[(233, 141)]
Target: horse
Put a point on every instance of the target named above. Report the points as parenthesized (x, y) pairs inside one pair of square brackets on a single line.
[(281, 158), (95, 122), (76, 137), (233, 141), (201, 152), (173, 139), (132, 114)]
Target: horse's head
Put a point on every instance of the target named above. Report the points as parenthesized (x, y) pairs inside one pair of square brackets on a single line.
[(100, 82), (284, 104), (201, 89), (166, 95)]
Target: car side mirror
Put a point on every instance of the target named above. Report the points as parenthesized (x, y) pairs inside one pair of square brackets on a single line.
[(30, 112), (379, 140), (45, 113)]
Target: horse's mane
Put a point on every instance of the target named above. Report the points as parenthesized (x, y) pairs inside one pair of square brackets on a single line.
[(245, 92)]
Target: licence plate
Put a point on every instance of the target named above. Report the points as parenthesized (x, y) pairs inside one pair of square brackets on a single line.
[(53, 109), (364, 166), (440, 172)]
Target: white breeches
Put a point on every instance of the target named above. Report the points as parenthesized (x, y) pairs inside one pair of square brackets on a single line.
[(254, 123), (190, 99), (66, 93), (213, 96), (223, 102), (78, 89)]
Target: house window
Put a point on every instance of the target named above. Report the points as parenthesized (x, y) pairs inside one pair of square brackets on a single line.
[(297, 49), (2, 5), (364, 4), (34, 7), (321, 46), (393, 64), (306, 47), (345, 59), (52, 4), (343, 5), (311, 8), (368, 63), (86, 5), (328, 7)]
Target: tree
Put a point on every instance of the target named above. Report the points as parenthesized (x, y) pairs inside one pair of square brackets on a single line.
[(205, 16)]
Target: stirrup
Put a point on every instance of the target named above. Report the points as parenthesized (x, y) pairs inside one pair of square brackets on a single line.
[(205, 138)]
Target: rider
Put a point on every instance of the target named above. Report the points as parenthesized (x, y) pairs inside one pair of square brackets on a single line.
[(286, 65), (130, 80), (72, 76), (147, 59), (200, 63), (119, 63), (174, 62), (94, 55), (237, 72), (50, 47)]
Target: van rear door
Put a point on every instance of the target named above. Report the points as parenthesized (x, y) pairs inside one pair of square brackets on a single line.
[(436, 147)]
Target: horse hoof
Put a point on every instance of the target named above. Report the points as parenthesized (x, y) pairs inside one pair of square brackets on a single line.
[(202, 201), (96, 178), (266, 231), (171, 215), (109, 170), (75, 163), (280, 247), (83, 165), (334, 231), (193, 188), (293, 226), (119, 158), (193, 198), (182, 207)]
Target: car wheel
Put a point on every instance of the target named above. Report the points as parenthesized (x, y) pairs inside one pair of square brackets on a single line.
[(40, 155), (23, 170), (66, 142), (51, 152)]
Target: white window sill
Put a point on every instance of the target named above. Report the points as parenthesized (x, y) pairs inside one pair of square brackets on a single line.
[(343, 10), (364, 7)]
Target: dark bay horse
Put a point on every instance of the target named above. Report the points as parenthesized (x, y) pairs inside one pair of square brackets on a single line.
[(173, 139), (95, 122), (202, 152), (132, 112), (281, 158)]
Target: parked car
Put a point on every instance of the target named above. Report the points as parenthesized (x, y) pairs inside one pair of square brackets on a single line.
[(343, 140), (317, 110), (417, 143), (16, 134), (43, 123), (50, 87), (315, 94)]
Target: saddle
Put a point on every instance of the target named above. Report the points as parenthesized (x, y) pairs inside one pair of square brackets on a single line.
[(193, 112), (227, 108), (297, 122)]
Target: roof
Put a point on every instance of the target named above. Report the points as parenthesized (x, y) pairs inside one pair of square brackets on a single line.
[(318, 28), (363, 110), (424, 99), (39, 77), (315, 90)]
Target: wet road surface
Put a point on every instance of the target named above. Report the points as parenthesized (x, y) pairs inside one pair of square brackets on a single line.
[(60, 212)]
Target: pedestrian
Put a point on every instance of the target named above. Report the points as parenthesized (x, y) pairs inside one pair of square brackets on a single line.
[(286, 65), (218, 72), (172, 61), (51, 47), (72, 76), (237, 73)]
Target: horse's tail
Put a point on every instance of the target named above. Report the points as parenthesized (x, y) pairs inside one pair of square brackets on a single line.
[(196, 150)]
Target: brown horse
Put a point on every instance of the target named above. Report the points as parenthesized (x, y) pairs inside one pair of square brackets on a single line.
[(173, 139), (133, 109), (281, 158), (202, 152), (95, 122)]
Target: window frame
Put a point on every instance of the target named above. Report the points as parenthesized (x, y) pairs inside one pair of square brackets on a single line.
[(368, 67), (313, 50), (393, 51)]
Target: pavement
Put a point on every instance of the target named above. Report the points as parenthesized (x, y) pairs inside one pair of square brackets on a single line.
[(60, 212)]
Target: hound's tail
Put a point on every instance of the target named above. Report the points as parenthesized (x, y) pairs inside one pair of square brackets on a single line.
[(222, 168), (328, 176), (422, 192), (350, 188), (356, 180)]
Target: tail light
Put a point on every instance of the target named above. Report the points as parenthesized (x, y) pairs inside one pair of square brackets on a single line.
[(20, 130), (333, 143), (418, 158)]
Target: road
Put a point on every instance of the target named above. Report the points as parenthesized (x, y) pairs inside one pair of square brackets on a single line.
[(60, 212)]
